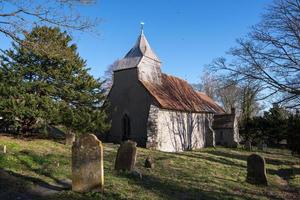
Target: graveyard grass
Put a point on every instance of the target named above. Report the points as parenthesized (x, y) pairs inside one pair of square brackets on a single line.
[(39, 167)]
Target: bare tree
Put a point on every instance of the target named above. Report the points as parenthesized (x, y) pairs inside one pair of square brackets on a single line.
[(270, 54), (248, 103), (108, 75), (229, 94), (209, 84), (226, 92), (19, 16)]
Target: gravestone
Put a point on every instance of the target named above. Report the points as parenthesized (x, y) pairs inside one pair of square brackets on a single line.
[(126, 156), (248, 145), (256, 170), (262, 146), (87, 164), (149, 162), (70, 138), (3, 149)]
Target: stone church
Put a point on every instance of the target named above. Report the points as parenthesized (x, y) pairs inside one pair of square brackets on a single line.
[(161, 111)]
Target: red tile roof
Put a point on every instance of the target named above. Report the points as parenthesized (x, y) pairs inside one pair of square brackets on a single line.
[(176, 94)]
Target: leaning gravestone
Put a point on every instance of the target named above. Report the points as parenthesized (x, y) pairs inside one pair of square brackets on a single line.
[(256, 170), (126, 156), (70, 138), (87, 164)]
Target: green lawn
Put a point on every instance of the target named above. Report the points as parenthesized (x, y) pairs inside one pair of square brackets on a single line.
[(205, 174)]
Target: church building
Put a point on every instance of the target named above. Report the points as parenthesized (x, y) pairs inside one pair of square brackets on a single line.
[(161, 111)]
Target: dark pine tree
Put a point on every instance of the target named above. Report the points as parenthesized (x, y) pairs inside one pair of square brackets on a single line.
[(294, 133), (46, 82)]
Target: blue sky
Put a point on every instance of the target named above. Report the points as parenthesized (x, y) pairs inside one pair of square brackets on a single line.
[(185, 34)]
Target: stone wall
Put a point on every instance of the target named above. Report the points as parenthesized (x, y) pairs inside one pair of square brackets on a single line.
[(152, 127), (226, 130), (128, 96), (149, 70), (179, 131)]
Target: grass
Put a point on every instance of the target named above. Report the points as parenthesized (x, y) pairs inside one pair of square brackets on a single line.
[(210, 173)]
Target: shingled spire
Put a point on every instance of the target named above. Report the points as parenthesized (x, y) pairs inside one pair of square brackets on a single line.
[(142, 48), (141, 56)]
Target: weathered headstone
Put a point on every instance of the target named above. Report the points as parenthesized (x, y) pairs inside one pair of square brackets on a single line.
[(256, 170), (70, 138), (149, 162), (262, 146), (248, 145), (126, 156), (87, 164), (3, 149)]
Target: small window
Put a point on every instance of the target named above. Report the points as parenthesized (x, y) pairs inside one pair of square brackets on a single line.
[(126, 127)]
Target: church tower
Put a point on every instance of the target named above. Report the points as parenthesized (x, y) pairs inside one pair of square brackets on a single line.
[(129, 99), (142, 57)]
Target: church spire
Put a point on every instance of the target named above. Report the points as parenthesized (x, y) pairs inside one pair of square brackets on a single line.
[(137, 55), (142, 48)]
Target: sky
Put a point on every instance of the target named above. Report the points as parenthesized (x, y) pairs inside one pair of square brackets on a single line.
[(185, 34)]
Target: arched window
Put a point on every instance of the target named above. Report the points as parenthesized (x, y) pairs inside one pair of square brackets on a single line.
[(126, 127)]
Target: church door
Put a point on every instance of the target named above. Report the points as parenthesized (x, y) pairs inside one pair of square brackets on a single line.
[(126, 127)]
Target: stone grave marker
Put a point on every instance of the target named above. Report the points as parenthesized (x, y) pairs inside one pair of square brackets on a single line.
[(149, 162), (3, 149), (256, 170), (262, 146), (87, 164), (248, 145), (126, 156), (70, 138)]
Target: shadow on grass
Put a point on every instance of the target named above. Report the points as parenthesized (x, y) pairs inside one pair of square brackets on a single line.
[(168, 189), (53, 133), (285, 173), (244, 158), (42, 161), (222, 160), (15, 186)]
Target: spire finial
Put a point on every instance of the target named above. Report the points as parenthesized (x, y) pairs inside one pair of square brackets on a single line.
[(142, 27)]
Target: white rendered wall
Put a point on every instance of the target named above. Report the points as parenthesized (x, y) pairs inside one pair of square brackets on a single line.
[(178, 131)]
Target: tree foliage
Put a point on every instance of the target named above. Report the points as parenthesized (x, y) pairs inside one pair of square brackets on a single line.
[(276, 120), (38, 87), (293, 134), (275, 126)]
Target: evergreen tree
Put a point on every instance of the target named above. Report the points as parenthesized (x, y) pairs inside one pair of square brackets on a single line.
[(294, 133), (49, 84), (276, 122)]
